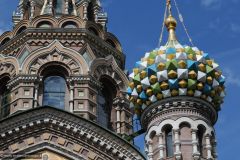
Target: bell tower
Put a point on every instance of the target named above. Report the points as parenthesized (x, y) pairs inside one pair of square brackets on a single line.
[(176, 91)]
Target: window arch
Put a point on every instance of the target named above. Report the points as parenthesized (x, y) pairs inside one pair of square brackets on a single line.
[(169, 141), (23, 28), (54, 91), (5, 97), (5, 41)]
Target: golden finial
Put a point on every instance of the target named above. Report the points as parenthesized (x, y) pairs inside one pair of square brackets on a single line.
[(171, 24)]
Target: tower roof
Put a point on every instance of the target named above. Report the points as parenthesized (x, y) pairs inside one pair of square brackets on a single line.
[(175, 70)]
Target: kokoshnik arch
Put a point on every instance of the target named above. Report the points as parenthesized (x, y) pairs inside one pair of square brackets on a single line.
[(64, 93)]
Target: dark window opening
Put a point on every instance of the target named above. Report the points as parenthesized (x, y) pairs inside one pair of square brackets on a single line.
[(169, 142), (105, 102), (69, 24), (58, 7), (5, 97), (5, 41), (44, 24), (90, 12), (70, 8), (21, 30), (93, 30), (200, 135)]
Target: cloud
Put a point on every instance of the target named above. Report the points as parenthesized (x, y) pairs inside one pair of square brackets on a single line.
[(211, 4), (232, 77)]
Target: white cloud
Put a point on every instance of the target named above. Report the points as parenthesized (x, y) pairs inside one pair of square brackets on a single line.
[(213, 4), (231, 77)]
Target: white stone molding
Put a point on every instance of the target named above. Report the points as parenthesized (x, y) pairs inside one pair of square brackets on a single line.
[(161, 146), (208, 147)]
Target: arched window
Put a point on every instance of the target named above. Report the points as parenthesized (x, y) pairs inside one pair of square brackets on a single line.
[(69, 24), (5, 41), (105, 101), (23, 28), (44, 24), (54, 92), (5, 97), (169, 142)]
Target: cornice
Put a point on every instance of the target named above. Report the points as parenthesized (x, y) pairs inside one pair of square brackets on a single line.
[(89, 131), (184, 104)]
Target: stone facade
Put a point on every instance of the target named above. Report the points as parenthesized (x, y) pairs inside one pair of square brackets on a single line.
[(66, 39)]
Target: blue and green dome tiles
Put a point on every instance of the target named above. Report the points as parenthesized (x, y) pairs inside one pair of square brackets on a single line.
[(175, 71)]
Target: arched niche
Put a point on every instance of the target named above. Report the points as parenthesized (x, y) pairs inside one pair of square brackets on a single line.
[(55, 52)]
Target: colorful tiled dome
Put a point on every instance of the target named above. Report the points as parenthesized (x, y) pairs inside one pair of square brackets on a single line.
[(175, 70)]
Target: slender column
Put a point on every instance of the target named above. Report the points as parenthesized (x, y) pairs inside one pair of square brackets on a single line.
[(177, 143), (85, 6), (66, 6), (123, 121), (118, 120), (36, 96), (21, 11), (208, 147), (32, 9), (215, 155), (196, 154), (161, 146), (51, 6), (96, 10), (71, 98), (74, 7), (150, 150)]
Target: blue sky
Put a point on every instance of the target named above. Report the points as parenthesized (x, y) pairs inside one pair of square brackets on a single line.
[(214, 26)]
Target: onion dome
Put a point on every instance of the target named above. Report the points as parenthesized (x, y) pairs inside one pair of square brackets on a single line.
[(175, 70)]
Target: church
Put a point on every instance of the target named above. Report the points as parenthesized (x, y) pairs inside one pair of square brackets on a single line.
[(65, 95)]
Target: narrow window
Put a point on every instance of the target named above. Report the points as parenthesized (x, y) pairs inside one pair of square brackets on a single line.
[(169, 142), (54, 91), (5, 98)]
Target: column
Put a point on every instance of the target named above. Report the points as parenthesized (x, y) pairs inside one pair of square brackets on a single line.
[(96, 11), (161, 146), (71, 98), (85, 6), (123, 123), (66, 6), (178, 154), (32, 9), (150, 150), (36, 96), (196, 154), (208, 147), (118, 120), (74, 7), (51, 6)]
